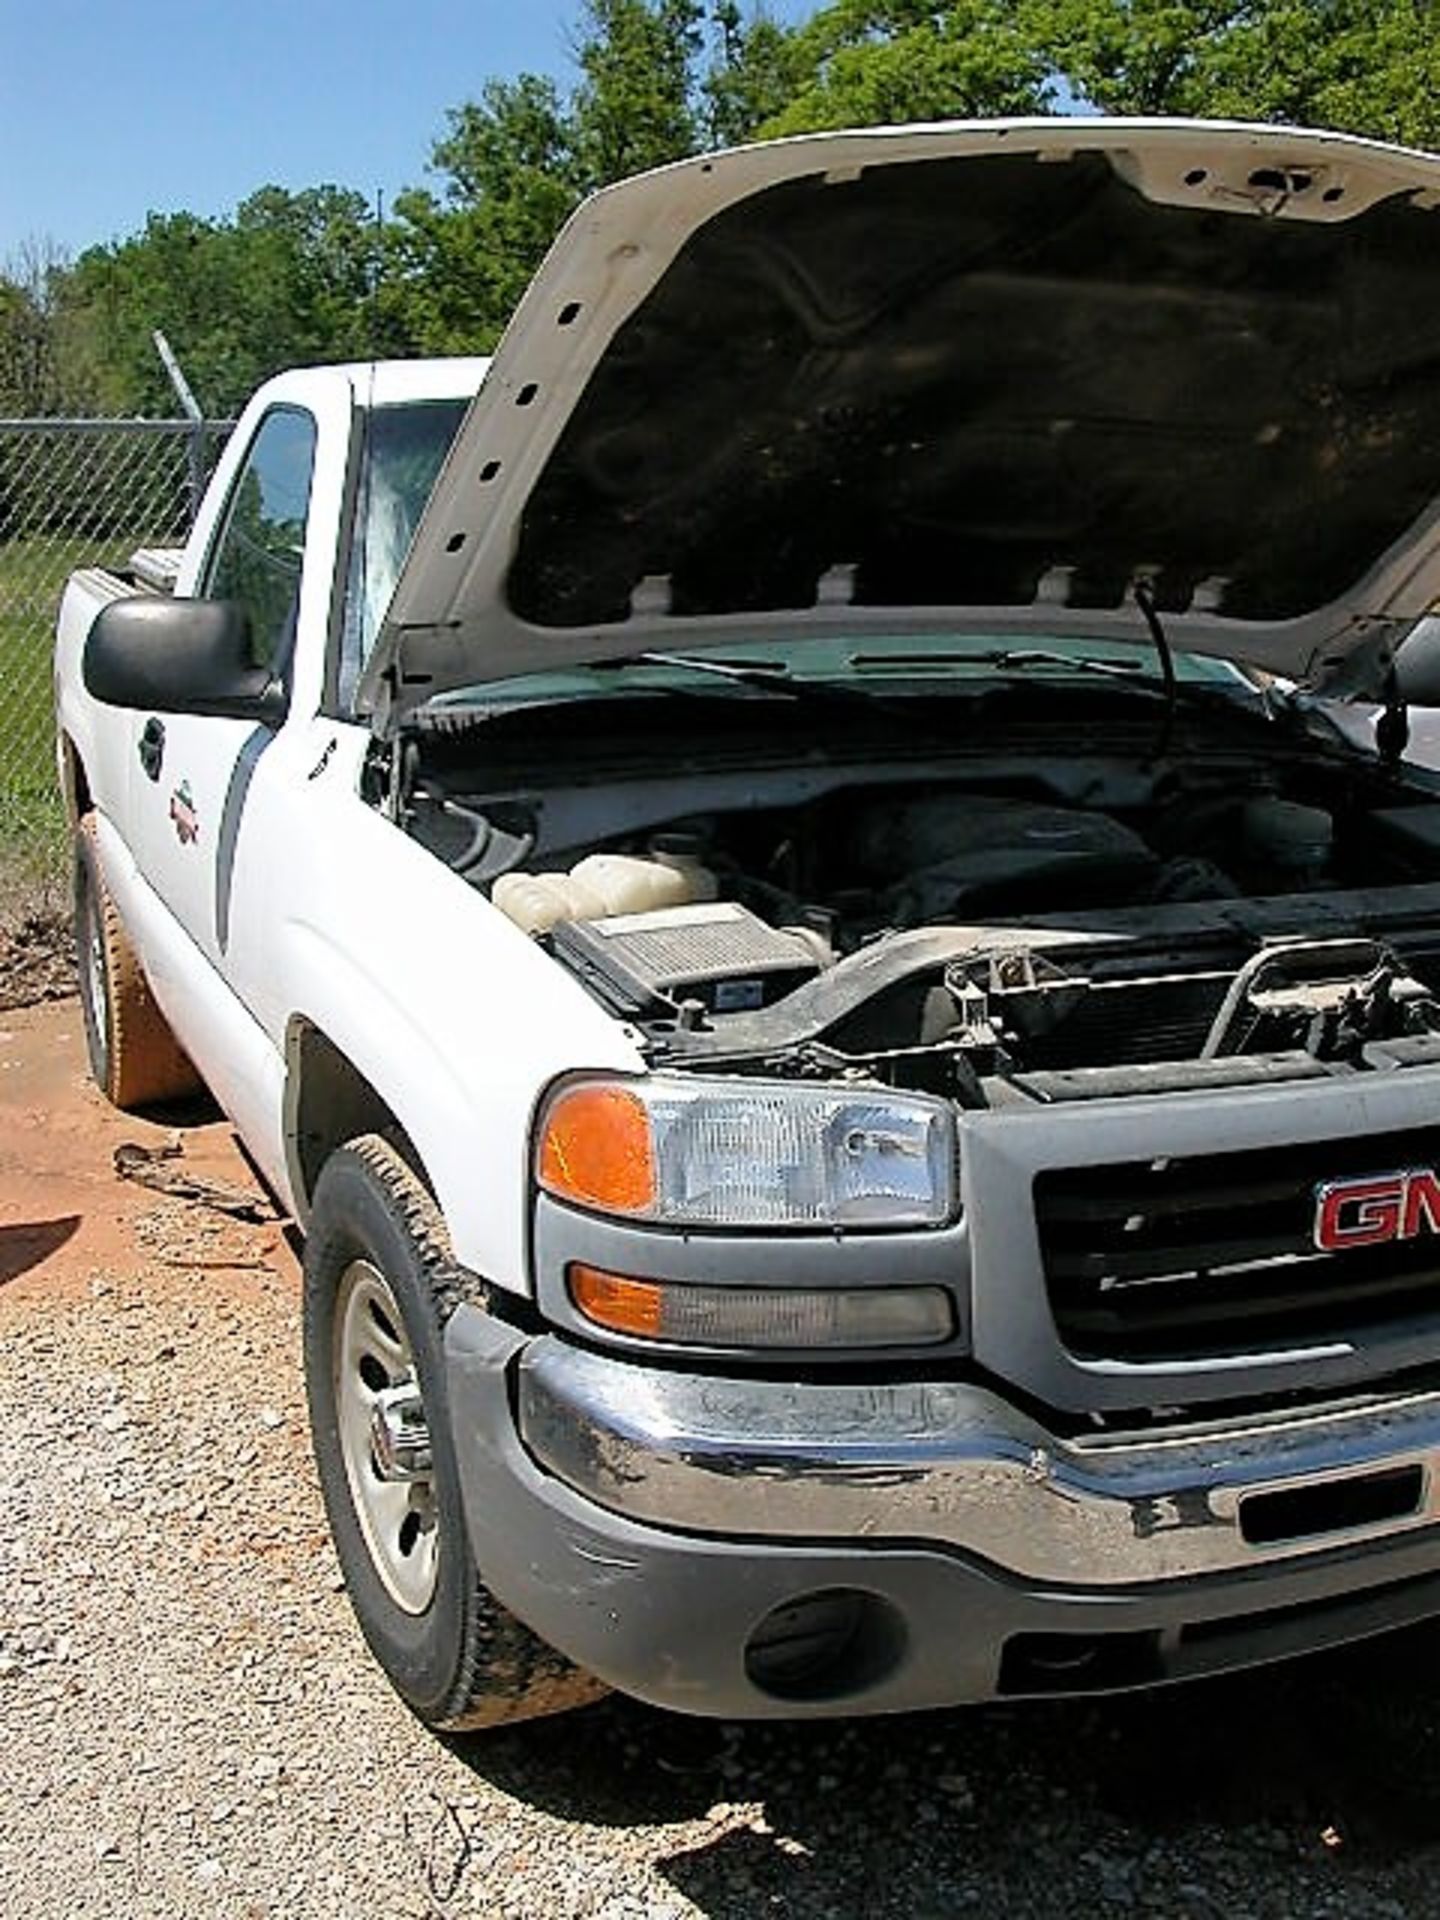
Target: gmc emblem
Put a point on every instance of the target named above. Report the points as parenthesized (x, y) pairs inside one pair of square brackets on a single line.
[(1381, 1207)]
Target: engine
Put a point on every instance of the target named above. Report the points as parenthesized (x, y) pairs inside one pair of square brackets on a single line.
[(1031, 943)]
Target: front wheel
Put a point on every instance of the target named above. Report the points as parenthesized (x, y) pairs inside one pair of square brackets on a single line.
[(379, 1287)]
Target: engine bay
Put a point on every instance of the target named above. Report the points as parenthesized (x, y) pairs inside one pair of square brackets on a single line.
[(1012, 925)]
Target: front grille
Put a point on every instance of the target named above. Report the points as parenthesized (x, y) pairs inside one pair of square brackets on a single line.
[(1211, 1254)]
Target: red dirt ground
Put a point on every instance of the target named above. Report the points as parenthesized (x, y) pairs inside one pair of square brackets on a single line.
[(67, 1220)]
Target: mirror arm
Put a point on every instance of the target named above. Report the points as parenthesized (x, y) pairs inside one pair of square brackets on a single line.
[(273, 703), (1392, 729)]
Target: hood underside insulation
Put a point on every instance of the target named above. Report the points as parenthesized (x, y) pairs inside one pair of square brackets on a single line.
[(983, 381)]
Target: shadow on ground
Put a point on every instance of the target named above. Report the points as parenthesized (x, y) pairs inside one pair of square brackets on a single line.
[(1310, 1787), (28, 1242)]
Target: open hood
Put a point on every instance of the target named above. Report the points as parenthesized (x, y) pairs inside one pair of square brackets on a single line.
[(980, 377)]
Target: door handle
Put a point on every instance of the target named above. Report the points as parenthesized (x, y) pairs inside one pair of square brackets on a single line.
[(152, 747)]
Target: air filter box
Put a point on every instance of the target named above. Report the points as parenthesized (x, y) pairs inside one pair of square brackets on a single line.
[(718, 953)]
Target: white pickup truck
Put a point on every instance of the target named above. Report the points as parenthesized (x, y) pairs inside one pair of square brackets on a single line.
[(859, 1063)]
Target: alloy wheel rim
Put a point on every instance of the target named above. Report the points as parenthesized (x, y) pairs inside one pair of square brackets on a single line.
[(397, 1518)]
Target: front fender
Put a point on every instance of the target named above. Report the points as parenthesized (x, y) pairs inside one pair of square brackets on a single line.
[(460, 1056)]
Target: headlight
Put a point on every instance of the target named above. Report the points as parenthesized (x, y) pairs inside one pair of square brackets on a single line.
[(738, 1153)]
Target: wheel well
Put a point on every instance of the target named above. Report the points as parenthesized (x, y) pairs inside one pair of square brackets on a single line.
[(74, 782), (328, 1102)]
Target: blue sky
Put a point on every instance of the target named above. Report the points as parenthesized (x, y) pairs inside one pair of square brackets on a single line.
[(109, 111)]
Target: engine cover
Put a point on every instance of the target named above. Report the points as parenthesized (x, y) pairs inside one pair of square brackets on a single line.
[(959, 853)]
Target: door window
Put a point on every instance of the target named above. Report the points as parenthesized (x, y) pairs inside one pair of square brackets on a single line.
[(261, 550)]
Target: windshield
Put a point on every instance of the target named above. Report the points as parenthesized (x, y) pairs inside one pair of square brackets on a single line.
[(893, 664), (405, 447)]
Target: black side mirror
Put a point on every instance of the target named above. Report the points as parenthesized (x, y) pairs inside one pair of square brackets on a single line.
[(1417, 666), (160, 654)]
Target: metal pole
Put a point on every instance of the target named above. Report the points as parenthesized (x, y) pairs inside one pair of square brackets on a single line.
[(177, 379), (192, 413)]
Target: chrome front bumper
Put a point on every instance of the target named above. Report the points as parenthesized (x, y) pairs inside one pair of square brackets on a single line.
[(953, 1466), (666, 1531)]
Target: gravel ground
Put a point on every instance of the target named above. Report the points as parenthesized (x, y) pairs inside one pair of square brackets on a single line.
[(191, 1725)]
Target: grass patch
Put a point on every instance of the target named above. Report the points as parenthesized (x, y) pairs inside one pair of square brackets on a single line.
[(67, 500), (32, 578), (33, 572), (87, 497), (35, 962), (34, 859)]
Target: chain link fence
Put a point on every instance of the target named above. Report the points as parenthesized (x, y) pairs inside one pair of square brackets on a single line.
[(74, 493)]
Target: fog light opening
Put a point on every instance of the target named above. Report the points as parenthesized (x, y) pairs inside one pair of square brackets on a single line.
[(825, 1645)]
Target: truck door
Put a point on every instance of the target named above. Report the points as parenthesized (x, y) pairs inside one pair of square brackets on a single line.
[(191, 776)]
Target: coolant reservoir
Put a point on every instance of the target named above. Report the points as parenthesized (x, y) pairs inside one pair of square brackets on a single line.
[(603, 886), (538, 901), (682, 852), (644, 883)]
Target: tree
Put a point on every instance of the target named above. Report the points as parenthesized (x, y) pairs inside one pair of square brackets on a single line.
[(516, 161), (637, 105), (297, 277), (756, 72), (286, 282), (31, 376), (23, 352), (874, 62), (456, 263), (1362, 66), (305, 269)]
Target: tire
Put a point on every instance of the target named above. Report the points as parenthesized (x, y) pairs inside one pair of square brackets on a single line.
[(379, 1288), (135, 1059)]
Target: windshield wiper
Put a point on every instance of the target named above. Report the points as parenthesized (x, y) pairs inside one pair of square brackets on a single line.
[(776, 682), (766, 679), (1131, 670), (1127, 670)]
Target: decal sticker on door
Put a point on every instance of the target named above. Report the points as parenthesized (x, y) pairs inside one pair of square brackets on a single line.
[(182, 812)]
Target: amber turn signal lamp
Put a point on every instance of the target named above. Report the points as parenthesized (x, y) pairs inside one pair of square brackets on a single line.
[(611, 1300), (695, 1315), (595, 1150)]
